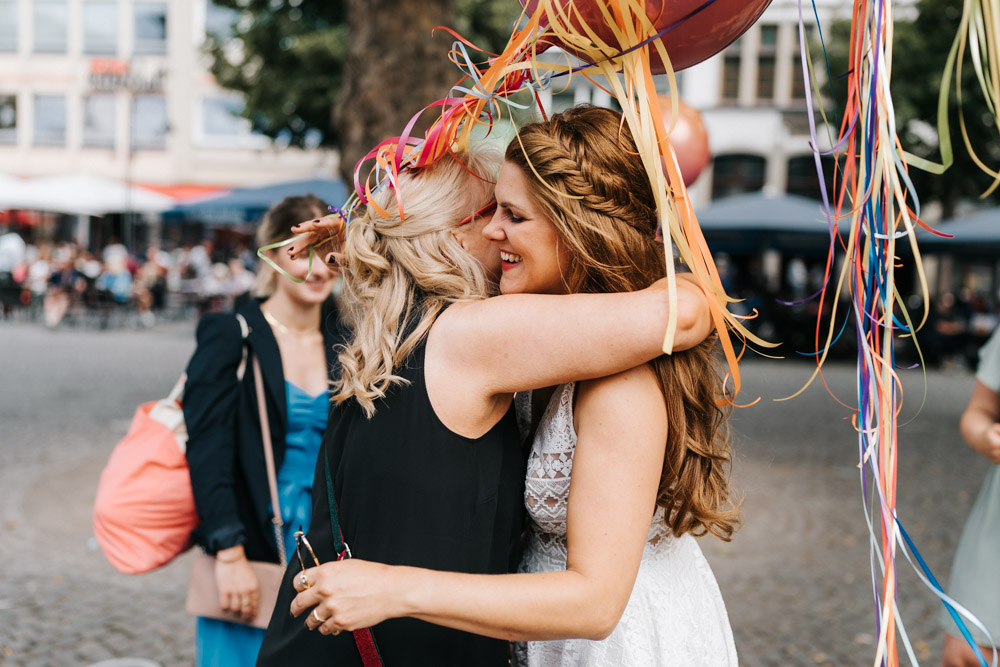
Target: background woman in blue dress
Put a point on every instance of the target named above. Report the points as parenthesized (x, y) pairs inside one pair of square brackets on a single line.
[(293, 329)]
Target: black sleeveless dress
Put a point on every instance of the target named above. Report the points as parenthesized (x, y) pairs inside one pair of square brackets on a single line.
[(410, 492)]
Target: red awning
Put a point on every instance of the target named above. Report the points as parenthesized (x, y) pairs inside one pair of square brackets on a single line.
[(184, 190)]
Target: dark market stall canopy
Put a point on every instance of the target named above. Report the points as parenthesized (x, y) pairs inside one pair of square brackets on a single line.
[(248, 205)]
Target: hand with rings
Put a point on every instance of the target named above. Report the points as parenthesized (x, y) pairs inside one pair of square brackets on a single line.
[(346, 595)]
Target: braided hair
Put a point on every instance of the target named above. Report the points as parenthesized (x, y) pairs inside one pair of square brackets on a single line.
[(585, 176)]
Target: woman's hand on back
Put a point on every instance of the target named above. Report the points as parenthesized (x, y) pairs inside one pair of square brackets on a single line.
[(239, 590)]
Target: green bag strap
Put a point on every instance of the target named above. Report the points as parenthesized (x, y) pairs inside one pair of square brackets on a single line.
[(363, 637)]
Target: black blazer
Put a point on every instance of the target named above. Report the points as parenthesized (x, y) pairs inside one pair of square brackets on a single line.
[(225, 452)]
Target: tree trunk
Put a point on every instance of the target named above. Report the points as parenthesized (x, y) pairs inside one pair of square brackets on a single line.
[(394, 68)]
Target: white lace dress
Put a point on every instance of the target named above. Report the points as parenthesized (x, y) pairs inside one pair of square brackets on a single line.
[(675, 615)]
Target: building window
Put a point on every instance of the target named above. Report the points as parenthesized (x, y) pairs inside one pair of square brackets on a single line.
[(150, 27), (100, 27), (50, 26), (736, 174), (731, 72), (149, 121), (50, 120), (798, 87), (8, 119), (8, 25), (99, 120), (766, 60), (803, 179), (221, 117)]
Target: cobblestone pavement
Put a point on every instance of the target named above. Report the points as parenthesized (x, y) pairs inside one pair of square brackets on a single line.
[(796, 577)]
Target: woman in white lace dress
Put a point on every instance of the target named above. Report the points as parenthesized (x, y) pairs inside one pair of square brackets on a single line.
[(623, 470)]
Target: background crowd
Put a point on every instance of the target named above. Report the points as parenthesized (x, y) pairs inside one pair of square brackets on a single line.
[(64, 284)]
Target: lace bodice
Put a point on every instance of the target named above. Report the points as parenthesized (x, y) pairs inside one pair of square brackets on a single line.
[(550, 464), (550, 468), (675, 615)]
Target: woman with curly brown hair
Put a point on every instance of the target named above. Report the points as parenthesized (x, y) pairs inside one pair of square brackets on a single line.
[(623, 470)]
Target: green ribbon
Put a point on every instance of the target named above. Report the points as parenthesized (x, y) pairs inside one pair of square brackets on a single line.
[(262, 253)]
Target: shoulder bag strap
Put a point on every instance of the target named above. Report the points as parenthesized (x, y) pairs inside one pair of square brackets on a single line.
[(244, 332), (272, 481), (265, 436), (363, 637)]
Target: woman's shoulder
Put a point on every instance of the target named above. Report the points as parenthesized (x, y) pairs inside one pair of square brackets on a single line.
[(622, 396), (220, 328)]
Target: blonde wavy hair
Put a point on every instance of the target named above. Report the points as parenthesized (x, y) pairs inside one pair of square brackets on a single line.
[(608, 223), (400, 272)]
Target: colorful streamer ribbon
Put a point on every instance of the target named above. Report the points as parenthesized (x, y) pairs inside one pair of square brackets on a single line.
[(876, 194)]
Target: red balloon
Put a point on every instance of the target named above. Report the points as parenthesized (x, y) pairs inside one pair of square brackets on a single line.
[(697, 36), (689, 138)]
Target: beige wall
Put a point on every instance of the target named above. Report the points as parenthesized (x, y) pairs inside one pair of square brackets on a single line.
[(189, 156)]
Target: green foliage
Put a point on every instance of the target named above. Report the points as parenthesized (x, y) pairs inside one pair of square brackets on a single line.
[(486, 23), (287, 58), (920, 49)]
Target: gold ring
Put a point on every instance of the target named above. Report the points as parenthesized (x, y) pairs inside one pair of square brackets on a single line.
[(304, 580), (335, 632), (316, 616)]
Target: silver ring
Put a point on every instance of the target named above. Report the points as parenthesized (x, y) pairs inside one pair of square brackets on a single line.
[(304, 580), (245, 602), (316, 616)]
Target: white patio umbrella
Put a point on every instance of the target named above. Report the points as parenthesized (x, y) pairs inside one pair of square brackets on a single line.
[(8, 184), (84, 194), (12, 248)]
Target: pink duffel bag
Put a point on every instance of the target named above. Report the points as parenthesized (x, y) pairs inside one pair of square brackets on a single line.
[(144, 511)]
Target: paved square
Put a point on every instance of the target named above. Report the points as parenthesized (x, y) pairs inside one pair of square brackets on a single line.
[(796, 577)]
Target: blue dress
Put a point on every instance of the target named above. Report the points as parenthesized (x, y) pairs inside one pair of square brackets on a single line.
[(224, 644)]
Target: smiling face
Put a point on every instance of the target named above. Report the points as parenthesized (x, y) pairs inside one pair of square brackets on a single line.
[(534, 260), (316, 288)]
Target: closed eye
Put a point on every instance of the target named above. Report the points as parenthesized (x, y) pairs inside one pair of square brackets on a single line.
[(507, 213)]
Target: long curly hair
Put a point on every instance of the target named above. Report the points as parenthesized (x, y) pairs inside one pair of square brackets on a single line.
[(401, 271), (608, 223)]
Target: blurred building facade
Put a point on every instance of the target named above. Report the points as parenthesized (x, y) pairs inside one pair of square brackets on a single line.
[(119, 88), (753, 101)]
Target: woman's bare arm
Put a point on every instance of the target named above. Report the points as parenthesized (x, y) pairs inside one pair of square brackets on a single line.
[(622, 425), (526, 341), (979, 424)]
